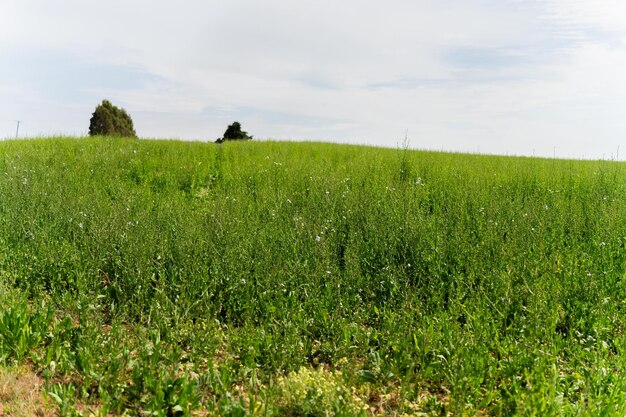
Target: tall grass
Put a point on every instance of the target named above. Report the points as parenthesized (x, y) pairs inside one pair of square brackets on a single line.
[(171, 277)]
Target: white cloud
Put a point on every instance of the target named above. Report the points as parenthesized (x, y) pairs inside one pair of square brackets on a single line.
[(604, 15), (502, 76)]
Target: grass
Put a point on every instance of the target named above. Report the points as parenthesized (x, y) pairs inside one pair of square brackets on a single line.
[(20, 393), (157, 277)]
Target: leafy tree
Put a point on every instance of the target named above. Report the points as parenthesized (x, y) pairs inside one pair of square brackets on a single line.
[(234, 132), (109, 120)]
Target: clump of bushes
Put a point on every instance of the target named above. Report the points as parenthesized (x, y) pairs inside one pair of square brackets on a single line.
[(109, 120), (234, 132)]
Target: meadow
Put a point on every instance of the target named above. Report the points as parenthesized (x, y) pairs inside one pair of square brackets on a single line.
[(145, 277)]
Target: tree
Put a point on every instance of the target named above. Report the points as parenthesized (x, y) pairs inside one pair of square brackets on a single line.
[(109, 120), (234, 132)]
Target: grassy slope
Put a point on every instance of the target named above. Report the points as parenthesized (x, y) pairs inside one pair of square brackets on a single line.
[(168, 276)]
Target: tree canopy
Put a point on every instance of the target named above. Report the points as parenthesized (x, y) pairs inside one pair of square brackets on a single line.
[(234, 132), (109, 120)]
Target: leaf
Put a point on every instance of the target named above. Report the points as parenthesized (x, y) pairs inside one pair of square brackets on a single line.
[(55, 397), (367, 376)]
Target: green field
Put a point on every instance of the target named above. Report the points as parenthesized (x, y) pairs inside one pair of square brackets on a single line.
[(305, 279)]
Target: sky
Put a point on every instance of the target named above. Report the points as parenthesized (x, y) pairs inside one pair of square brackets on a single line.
[(511, 77)]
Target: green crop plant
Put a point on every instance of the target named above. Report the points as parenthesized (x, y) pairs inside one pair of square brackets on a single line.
[(319, 393), (173, 278), (21, 330)]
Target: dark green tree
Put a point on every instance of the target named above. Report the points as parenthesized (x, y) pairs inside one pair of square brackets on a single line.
[(109, 120), (234, 132)]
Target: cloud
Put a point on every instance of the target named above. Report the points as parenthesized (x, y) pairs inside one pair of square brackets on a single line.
[(582, 15), (59, 75), (505, 76)]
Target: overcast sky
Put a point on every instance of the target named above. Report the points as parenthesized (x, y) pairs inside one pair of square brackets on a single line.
[(491, 76)]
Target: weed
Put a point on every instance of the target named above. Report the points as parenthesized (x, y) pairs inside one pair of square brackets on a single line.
[(167, 278)]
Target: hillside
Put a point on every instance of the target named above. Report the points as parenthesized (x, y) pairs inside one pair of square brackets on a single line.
[(305, 278)]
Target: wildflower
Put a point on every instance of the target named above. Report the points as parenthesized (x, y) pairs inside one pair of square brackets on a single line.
[(317, 238)]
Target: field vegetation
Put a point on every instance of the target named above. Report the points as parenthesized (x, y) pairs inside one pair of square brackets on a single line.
[(165, 278)]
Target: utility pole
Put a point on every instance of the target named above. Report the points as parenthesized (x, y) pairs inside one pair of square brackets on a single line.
[(17, 131)]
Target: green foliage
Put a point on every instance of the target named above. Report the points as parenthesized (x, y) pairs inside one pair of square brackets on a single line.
[(64, 396), (21, 331), (196, 277), (109, 120), (234, 132), (319, 393)]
